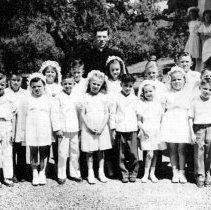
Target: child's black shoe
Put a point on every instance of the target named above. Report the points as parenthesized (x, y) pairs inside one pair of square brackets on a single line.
[(132, 177), (76, 179), (200, 181), (14, 179), (61, 181), (207, 181), (125, 179)]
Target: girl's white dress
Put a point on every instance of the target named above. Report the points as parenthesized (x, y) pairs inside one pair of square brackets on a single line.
[(53, 89), (151, 113), (95, 110), (38, 120), (114, 87), (193, 45), (174, 126), (206, 47)]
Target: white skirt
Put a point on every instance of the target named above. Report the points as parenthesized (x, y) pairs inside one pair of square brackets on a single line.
[(193, 46)]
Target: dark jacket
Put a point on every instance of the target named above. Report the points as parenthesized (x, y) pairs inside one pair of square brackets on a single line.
[(96, 59)]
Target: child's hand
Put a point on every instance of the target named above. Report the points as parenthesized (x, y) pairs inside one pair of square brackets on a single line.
[(59, 134), (113, 134), (193, 138), (94, 132), (140, 133)]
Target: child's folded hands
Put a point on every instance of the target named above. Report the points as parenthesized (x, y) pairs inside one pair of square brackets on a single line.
[(59, 134)]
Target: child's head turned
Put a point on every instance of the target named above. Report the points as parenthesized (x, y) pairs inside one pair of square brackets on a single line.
[(206, 17), (15, 81), (184, 61), (127, 82), (68, 83), (77, 69), (148, 91), (151, 70), (205, 89), (3, 79), (96, 82), (193, 13), (52, 71), (37, 84), (177, 78), (206, 74), (115, 67)]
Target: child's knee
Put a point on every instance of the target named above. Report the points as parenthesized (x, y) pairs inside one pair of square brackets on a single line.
[(149, 155)]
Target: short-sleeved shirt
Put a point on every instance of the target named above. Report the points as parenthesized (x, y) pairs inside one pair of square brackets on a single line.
[(126, 110), (200, 111)]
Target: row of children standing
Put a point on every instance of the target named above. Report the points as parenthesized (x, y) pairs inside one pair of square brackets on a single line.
[(103, 110)]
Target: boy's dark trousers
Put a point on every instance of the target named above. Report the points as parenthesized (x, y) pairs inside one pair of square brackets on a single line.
[(19, 161), (128, 153)]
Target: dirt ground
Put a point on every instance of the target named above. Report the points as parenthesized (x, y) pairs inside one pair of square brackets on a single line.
[(111, 195)]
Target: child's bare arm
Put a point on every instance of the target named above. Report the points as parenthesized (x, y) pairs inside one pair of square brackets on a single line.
[(14, 121), (190, 123)]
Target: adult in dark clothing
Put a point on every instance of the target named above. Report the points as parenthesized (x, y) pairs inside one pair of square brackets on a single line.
[(96, 58)]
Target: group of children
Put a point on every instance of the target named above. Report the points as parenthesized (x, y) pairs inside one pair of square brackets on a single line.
[(101, 114)]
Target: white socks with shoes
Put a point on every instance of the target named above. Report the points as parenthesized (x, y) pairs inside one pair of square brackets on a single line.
[(38, 178)]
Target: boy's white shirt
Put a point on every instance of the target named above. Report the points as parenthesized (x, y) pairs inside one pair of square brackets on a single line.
[(193, 78), (67, 105), (125, 110), (8, 107), (80, 87), (200, 111), (8, 110), (17, 97)]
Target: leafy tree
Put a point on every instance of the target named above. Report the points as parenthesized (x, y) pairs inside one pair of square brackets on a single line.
[(32, 31)]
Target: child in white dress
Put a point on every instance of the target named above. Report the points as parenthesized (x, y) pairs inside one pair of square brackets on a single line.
[(175, 127), (115, 68), (7, 121), (151, 73), (193, 45), (205, 35), (95, 134), (151, 111), (52, 71), (68, 141), (38, 118)]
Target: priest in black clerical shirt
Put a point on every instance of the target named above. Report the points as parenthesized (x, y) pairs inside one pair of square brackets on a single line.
[(96, 57)]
